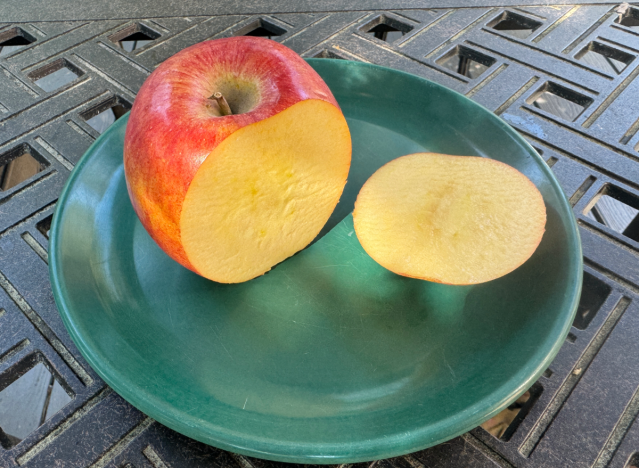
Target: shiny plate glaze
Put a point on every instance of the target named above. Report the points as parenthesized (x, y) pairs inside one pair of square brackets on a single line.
[(328, 358)]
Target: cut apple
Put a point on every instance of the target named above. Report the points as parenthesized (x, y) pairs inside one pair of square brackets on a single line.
[(449, 219), (235, 155), (265, 192)]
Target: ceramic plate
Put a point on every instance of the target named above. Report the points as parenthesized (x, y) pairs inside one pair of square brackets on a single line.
[(328, 358)]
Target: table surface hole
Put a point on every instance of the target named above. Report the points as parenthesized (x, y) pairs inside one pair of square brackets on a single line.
[(594, 293), (55, 75), (19, 164), (262, 28), (633, 462), (629, 19), (135, 41), (515, 25), (14, 39), (28, 402), (134, 37), (466, 62), (386, 29), (617, 209), (560, 101), (44, 226), (102, 115), (605, 58), (503, 425)]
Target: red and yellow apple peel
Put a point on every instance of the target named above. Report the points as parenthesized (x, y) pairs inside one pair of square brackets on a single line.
[(230, 192)]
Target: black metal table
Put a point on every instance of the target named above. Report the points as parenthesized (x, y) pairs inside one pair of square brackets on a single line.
[(563, 75)]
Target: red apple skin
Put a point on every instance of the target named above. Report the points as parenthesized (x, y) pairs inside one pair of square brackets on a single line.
[(171, 129)]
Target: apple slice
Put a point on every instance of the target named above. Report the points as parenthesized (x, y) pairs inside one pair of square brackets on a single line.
[(449, 219)]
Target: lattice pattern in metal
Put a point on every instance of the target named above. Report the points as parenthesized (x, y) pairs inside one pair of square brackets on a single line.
[(564, 76)]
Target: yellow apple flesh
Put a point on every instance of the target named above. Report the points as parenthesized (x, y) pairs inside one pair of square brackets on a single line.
[(449, 219), (265, 192)]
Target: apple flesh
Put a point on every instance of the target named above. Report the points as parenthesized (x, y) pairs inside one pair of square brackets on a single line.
[(229, 196), (449, 219)]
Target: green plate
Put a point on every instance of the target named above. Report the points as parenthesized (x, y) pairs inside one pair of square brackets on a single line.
[(328, 358)]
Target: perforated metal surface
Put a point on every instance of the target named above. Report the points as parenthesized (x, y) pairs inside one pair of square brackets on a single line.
[(510, 60)]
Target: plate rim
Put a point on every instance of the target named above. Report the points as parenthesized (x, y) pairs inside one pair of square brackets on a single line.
[(165, 414)]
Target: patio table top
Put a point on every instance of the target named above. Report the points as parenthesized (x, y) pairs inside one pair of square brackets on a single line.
[(561, 73)]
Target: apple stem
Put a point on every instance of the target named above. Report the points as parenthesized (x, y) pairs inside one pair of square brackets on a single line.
[(221, 102)]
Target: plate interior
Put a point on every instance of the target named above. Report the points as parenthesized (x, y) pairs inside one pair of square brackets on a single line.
[(329, 357)]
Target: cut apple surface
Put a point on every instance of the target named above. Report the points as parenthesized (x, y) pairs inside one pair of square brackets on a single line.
[(449, 219), (265, 192)]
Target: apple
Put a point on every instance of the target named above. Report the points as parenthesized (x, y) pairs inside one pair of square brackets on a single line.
[(235, 156), (449, 219)]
